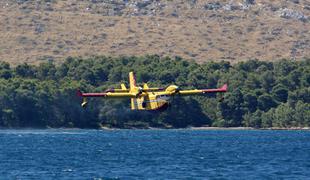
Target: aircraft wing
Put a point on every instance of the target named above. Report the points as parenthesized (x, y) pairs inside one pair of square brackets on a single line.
[(107, 94), (116, 90), (113, 90), (203, 91)]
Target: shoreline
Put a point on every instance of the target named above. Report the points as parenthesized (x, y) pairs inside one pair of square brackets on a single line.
[(207, 128), (247, 128), (161, 128)]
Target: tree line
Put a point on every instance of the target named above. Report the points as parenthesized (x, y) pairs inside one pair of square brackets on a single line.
[(261, 94)]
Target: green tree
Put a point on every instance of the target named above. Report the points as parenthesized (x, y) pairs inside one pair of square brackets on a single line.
[(280, 93), (231, 108), (302, 114), (268, 118), (265, 102), (283, 116), (25, 70), (250, 102), (253, 120)]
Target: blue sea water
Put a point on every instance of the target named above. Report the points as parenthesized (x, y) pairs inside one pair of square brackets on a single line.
[(154, 154)]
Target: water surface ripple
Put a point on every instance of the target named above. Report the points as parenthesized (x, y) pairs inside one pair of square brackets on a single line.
[(154, 154)]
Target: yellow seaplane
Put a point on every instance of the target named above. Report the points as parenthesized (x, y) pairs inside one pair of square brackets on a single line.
[(146, 98)]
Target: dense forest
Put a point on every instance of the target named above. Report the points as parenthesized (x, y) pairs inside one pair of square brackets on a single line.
[(261, 94)]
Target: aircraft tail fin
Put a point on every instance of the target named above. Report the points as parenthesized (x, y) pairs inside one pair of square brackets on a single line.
[(132, 81), (224, 88), (79, 93)]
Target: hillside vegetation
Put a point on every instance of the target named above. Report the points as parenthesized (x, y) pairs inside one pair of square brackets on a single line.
[(261, 94), (233, 30)]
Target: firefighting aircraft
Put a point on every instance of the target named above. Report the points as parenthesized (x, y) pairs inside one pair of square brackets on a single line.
[(146, 98)]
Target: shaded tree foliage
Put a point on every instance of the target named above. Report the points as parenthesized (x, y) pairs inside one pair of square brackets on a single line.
[(261, 94)]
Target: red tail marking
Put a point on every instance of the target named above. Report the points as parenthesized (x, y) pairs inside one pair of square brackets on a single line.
[(79, 93), (222, 89)]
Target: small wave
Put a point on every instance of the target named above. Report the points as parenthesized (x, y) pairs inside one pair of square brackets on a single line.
[(67, 170), (40, 132)]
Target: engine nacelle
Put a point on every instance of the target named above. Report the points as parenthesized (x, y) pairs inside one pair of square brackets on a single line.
[(172, 89)]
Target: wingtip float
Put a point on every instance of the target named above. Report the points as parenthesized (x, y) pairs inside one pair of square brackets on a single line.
[(145, 98)]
